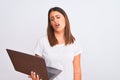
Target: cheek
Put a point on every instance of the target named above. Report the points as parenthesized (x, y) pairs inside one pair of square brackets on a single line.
[(63, 23), (51, 23)]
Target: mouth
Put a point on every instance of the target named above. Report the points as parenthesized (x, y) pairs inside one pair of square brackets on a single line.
[(57, 25)]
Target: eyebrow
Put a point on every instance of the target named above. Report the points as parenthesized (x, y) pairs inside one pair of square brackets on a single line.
[(55, 16)]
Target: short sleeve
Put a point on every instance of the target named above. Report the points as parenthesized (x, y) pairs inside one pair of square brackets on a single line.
[(39, 47), (77, 46)]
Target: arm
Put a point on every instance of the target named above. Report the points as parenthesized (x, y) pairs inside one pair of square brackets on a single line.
[(77, 68)]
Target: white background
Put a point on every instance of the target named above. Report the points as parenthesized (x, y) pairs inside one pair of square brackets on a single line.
[(97, 22)]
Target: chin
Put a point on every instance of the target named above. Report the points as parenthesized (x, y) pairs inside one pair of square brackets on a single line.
[(59, 30)]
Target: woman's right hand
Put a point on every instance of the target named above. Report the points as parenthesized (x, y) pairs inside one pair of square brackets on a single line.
[(34, 76)]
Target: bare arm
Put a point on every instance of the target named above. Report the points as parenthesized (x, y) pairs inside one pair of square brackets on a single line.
[(77, 68)]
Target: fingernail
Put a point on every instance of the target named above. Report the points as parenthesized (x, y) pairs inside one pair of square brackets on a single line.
[(37, 75), (34, 72)]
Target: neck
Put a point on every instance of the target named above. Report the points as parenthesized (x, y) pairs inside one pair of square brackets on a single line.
[(60, 37), (59, 34)]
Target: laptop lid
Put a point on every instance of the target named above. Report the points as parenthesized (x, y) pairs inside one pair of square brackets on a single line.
[(26, 63)]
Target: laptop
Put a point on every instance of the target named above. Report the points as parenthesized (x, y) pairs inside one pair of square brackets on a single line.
[(25, 63)]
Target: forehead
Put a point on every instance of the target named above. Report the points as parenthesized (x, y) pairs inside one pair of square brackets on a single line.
[(55, 13)]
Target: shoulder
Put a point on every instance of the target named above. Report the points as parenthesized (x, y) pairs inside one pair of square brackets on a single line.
[(43, 37), (77, 45), (77, 39), (42, 40)]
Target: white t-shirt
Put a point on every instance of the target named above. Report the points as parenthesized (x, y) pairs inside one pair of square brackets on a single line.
[(59, 56)]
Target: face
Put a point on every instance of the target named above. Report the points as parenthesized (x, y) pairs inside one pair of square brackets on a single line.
[(57, 21)]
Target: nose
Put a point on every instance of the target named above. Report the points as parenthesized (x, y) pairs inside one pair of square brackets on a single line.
[(55, 20)]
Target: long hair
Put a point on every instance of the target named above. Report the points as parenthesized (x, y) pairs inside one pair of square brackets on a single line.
[(69, 38)]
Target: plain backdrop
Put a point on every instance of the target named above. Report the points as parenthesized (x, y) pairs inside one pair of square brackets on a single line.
[(96, 22)]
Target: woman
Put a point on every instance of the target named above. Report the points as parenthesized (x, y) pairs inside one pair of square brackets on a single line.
[(59, 47)]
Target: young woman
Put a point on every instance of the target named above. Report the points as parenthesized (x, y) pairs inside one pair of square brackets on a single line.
[(59, 47)]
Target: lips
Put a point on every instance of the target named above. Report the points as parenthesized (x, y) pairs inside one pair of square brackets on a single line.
[(57, 25)]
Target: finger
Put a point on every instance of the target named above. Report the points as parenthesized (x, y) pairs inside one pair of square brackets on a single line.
[(37, 55), (33, 75), (38, 77)]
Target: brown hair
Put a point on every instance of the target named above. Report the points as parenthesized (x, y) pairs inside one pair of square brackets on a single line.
[(69, 38)]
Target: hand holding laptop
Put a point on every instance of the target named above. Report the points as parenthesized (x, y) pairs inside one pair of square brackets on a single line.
[(33, 75)]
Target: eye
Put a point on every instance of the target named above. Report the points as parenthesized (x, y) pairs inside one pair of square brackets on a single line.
[(58, 17), (51, 19)]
